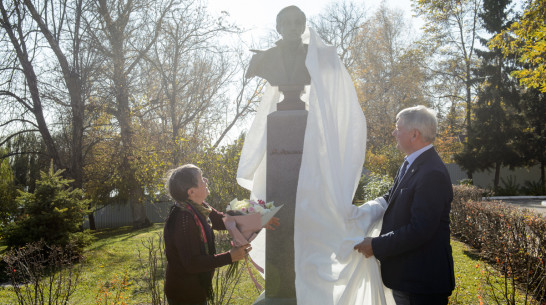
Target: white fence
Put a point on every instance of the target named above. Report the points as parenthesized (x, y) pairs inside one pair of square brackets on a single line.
[(119, 215), (484, 179)]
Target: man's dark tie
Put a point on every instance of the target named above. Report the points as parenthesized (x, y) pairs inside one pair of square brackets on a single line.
[(403, 170)]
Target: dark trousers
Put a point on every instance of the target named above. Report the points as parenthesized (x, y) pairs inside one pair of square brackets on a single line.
[(404, 298)]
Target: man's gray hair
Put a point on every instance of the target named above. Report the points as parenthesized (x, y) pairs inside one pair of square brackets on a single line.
[(421, 118)]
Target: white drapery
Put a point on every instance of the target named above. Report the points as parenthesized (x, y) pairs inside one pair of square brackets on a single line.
[(327, 225)]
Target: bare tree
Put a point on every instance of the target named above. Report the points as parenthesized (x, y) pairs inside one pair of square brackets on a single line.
[(59, 22), (194, 72), (386, 64), (388, 74), (340, 25), (452, 31), (127, 31), (23, 43), (70, 73), (248, 96)]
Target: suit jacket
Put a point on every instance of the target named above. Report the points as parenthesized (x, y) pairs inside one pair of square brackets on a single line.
[(414, 244)]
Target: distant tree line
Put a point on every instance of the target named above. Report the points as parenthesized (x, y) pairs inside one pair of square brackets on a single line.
[(479, 63), (116, 92)]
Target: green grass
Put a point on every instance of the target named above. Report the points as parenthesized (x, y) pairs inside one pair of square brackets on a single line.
[(471, 275), (114, 254)]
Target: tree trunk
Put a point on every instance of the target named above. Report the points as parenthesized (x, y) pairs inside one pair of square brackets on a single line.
[(131, 190), (138, 208), (497, 174), (468, 98), (91, 218), (542, 177), (118, 36)]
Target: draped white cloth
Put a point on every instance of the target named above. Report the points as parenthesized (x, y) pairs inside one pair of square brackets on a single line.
[(327, 225)]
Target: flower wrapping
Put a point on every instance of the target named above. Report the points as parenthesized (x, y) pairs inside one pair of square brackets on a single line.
[(245, 218), (244, 228)]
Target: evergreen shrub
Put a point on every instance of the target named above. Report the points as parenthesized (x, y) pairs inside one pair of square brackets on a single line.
[(53, 213)]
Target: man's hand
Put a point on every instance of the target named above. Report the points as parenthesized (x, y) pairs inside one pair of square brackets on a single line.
[(365, 247), (274, 221)]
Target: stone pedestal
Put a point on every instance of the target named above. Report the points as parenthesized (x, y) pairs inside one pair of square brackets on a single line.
[(285, 135)]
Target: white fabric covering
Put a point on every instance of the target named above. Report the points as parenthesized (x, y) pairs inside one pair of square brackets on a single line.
[(327, 225)]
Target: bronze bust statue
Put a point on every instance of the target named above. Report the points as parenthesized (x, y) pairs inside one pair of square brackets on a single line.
[(284, 64)]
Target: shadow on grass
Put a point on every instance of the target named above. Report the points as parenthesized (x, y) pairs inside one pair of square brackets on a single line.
[(119, 235), (3, 246), (473, 255), (104, 234), (467, 250)]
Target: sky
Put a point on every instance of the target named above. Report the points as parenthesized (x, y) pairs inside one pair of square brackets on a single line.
[(258, 16)]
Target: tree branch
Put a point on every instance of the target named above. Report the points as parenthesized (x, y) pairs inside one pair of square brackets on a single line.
[(16, 134), (19, 99)]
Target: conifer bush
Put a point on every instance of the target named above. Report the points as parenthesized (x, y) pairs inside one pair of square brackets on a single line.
[(53, 213)]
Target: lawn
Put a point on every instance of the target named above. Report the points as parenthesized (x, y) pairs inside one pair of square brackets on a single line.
[(471, 278), (114, 256)]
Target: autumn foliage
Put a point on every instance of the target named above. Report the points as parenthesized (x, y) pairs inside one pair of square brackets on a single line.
[(526, 39)]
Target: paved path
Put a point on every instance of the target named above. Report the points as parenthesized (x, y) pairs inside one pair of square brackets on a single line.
[(537, 204)]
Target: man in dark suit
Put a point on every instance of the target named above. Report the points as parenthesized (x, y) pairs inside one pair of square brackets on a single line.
[(414, 244)]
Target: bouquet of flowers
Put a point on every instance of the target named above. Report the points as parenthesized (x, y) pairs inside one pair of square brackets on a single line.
[(245, 218), (247, 206)]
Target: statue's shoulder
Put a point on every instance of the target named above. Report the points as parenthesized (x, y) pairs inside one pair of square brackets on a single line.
[(263, 61), (270, 53), (274, 49)]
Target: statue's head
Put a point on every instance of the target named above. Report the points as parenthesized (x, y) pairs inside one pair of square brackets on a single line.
[(291, 23)]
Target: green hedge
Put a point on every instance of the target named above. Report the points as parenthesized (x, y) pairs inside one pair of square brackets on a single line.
[(512, 238)]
